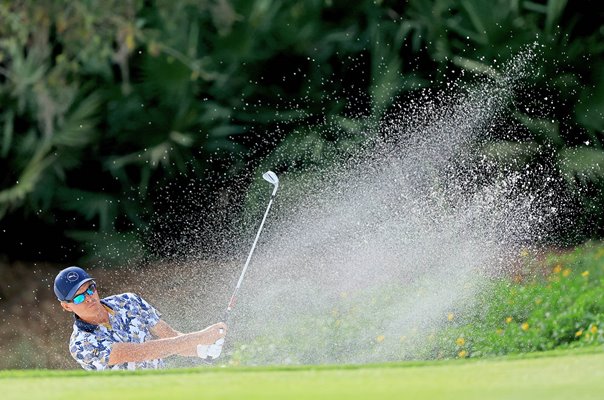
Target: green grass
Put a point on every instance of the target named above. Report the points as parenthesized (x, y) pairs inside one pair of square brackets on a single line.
[(577, 374)]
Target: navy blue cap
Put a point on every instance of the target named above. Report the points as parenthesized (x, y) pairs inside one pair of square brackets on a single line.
[(68, 281)]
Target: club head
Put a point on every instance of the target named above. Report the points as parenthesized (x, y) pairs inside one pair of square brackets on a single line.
[(271, 178)]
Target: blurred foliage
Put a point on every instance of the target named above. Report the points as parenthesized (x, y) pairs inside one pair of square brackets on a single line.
[(105, 104)]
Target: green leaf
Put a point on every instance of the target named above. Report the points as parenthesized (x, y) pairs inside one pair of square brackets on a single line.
[(79, 126), (480, 14), (90, 205), (224, 131), (513, 154), (476, 67), (532, 6), (213, 111), (15, 195), (555, 8), (585, 164), (7, 136), (182, 139), (589, 110), (547, 130), (387, 83)]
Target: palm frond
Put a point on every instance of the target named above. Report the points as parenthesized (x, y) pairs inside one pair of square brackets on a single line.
[(90, 205), (554, 10), (78, 127), (583, 164), (14, 196)]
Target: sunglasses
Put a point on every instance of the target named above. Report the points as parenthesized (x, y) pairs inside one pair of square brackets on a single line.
[(79, 299)]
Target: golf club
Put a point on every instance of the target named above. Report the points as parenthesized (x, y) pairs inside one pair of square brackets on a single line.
[(213, 351)]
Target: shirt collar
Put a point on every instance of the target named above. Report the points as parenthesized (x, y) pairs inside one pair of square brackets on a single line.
[(85, 326)]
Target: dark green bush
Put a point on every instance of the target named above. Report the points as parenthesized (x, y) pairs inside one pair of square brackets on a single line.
[(110, 109)]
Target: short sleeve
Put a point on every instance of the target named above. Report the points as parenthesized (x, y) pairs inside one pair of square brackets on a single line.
[(92, 351), (148, 312)]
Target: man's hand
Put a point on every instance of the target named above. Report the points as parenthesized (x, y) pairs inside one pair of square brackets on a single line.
[(215, 332), (206, 337)]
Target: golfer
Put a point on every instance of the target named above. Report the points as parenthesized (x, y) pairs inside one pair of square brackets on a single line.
[(121, 331)]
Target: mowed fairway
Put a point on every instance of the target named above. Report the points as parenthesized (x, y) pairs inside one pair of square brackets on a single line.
[(566, 375)]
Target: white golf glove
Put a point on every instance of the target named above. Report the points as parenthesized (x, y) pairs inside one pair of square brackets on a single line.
[(211, 351)]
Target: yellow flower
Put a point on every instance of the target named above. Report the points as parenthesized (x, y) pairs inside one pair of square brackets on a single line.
[(538, 300), (587, 336), (579, 333), (380, 339), (524, 326), (557, 269), (508, 320), (499, 331), (450, 317), (460, 341), (566, 272), (585, 274), (462, 354), (593, 329), (524, 253)]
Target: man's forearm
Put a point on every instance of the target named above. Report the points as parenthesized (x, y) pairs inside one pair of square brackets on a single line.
[(151, 350), (163, 330), (183, 344)]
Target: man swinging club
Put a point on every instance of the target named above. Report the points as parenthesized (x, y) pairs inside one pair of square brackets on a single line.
[(121, 331), (126, 332)]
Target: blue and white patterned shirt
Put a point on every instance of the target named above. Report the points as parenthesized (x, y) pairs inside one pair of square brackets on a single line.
[(130, 320)]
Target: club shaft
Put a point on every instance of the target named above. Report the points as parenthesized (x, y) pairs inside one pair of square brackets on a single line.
[(249, 257)]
